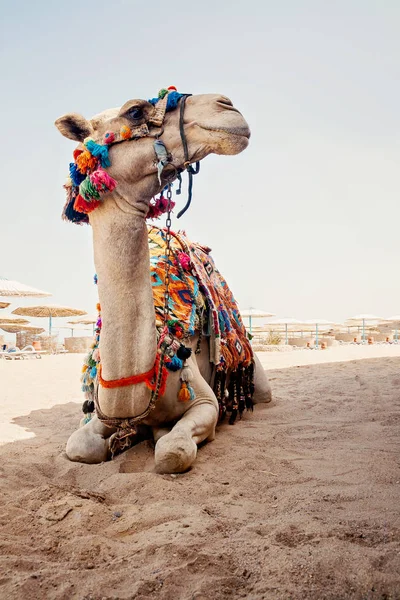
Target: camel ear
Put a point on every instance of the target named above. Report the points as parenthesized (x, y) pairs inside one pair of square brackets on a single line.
[(74, 127)]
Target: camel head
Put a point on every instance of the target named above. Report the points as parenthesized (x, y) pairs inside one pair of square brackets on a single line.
[(129, 154)]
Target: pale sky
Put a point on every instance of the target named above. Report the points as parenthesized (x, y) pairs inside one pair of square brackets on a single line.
[(303, 224)]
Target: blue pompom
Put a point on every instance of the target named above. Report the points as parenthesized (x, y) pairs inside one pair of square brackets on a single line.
[(175, 364), (76, 176), (98, 151), (93, 372), (172, 102), (173, 99)]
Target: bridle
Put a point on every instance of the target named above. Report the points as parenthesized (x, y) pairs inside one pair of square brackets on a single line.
[(89, 182), (186, 165)]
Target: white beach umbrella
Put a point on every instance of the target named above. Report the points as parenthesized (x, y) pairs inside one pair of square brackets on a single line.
[(255, 313), (362, 320), (14, 288), (285, 322), (87, 320), (318, 324), (73, 328), (395, 322)]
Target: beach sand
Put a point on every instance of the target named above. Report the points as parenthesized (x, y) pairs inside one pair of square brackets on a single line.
[(299, 500)]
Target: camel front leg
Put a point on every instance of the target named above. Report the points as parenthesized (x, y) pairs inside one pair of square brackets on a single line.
[(176, 451)]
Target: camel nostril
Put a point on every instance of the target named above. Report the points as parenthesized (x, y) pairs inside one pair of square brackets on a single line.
[(224, 101)]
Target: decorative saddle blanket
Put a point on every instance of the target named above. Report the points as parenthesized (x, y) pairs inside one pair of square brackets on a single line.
[(199, 301)]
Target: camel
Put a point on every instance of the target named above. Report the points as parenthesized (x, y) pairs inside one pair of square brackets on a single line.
[(128, 346)]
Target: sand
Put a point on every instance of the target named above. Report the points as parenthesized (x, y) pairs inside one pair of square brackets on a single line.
[(298, 500)]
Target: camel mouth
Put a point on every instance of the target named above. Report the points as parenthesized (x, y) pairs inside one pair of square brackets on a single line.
[(239, 131)]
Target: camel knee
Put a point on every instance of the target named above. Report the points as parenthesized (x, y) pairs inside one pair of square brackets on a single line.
[(175, 453), (86, 447)]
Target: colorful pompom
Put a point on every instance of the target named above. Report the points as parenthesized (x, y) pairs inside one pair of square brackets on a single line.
[(82, 206), (76, 176), (86, 162), (159, 207), (183, 352), (109, 137), (102, 181), (162, 93), (172, 88), (125, 132), (98, 151), (174, 364), (77, 152), (184, 260), (88, 191)]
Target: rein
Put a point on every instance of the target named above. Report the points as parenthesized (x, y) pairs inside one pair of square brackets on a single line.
[(191, 171)]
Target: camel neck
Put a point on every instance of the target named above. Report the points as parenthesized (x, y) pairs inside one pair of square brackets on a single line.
[(128, 335)]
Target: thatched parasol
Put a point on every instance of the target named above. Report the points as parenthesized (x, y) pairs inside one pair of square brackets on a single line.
[(4, 304), (13, 321), (18, 328), (49, 311), (14, 288)]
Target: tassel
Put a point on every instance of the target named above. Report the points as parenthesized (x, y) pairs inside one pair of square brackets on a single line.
[(69, 213), (187, 374), (93, 372), (76, 176), (183, 352), (98, 151), (186, 393), (88, 406), (233, 416), (81, 206), (249, 403)]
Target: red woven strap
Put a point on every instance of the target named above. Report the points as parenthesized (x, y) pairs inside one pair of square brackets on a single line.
[(147, 378), (150, 378)]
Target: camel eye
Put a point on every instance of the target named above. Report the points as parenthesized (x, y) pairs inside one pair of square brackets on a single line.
[(135, 113)]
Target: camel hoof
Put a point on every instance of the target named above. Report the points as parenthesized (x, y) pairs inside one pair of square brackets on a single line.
[(175, 453)]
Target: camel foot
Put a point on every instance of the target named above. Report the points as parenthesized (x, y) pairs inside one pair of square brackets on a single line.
[(175, 452), (89, 444)]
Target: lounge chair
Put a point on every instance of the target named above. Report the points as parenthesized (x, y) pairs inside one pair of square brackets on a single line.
[(17, 354)]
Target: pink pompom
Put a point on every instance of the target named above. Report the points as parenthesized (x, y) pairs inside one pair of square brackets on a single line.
[(184, 259), (102, 181), (159, 208), (96, 355), (109, 137)]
